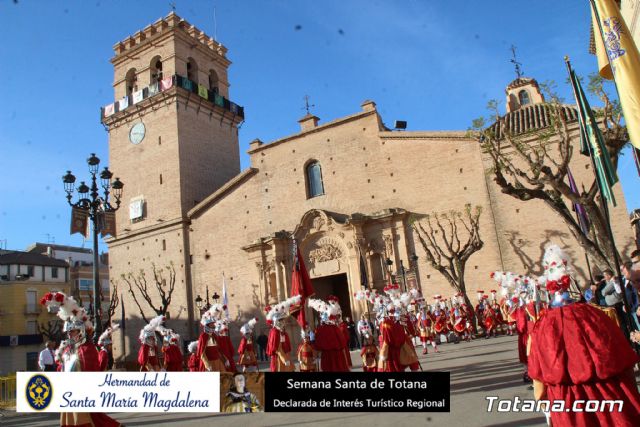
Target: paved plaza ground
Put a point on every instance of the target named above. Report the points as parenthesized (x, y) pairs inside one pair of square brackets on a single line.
[(478, 369)]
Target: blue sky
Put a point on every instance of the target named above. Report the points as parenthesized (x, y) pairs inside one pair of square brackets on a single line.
[(434, 64)]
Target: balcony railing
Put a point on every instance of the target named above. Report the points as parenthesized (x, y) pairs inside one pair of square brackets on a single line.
[(166, 84)]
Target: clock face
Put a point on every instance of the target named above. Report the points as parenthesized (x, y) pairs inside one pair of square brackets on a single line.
[(136, 134)]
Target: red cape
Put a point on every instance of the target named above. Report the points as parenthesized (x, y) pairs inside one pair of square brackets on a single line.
[(274, 342), (580, 353), (103, 359), (224, 341), (202, 345), (173, 358), (330, 340), (394, 336), (193, 364), (88, 355), (523, 333)]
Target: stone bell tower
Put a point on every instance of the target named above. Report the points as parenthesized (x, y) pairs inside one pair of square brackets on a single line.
[(173, 140)]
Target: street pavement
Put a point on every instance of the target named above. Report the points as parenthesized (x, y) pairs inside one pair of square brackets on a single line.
[(480, 368)]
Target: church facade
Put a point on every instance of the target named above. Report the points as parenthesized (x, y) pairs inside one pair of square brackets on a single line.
[(345, 190)]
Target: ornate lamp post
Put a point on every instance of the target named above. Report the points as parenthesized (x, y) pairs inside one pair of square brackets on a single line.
[(203, 304), (90, 201)]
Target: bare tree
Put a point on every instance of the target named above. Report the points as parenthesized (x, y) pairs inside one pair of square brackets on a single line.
[(114, 301), (141, 291), (534, 166), (449, 239), (51, 330)]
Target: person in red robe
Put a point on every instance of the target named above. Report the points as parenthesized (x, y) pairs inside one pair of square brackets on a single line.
[(246, 348), (577, 354), (105, 356), (224, 341), (489, 319), (523, 335), (148, 355), (279, 349), (408, 355), (209, 354), (173, 359), (330, 339), (306, 354), (426, 320), (79, 354), (193, 363), (278, 343), (392, 338), (369, 353)]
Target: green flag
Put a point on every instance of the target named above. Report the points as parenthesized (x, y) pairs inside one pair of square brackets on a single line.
[(592, 141)]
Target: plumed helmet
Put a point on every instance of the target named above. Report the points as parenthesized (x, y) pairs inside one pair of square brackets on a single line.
[(247, 328)]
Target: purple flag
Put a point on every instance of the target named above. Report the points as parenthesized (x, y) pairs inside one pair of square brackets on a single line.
[(577, 207)]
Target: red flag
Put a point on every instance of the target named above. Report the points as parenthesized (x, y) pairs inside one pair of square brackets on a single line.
[(300, 285)]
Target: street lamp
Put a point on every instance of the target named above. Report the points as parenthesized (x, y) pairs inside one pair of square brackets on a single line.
[(203, 304), (215, 297), (90, 201)]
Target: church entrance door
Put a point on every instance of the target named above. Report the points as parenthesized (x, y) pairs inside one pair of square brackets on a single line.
[(337, 285)]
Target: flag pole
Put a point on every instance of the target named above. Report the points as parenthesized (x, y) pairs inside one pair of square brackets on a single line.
[(605, 204)]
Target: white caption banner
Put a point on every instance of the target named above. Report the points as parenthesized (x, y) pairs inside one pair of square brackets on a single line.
[(118, 392)]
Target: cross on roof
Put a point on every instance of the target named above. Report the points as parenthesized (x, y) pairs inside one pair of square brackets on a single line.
[(517, 64), (173, 5), (306, 104)]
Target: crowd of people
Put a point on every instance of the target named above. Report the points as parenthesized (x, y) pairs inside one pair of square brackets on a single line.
[(573, 343)]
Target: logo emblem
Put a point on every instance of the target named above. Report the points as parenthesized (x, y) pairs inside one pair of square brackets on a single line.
[(39, 392)]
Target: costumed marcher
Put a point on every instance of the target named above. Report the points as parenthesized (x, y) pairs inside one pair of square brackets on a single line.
[(224, 341), (489, 317), (497, 311), (239, 399), (193, 363), (426, 321), (330, 340), (440, 325), (408, 355), (578, 354), (105, 355), (392, 338), (278, 344), (245, 349), (78, 354), (459, 317), (306, 353), (173, 359), (369, 350), (209, 354), (148, 354), (507, 307), (333, 301)]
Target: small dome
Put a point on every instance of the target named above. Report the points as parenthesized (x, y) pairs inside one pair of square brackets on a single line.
[(531, 118)]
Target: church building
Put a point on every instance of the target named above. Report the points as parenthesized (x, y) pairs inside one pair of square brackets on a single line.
[(345, 190)]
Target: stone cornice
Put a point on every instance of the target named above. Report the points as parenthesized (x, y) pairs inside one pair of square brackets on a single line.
[(426, 135)]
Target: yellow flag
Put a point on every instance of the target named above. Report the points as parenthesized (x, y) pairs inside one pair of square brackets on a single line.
[(600, 51), (625, 63)]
